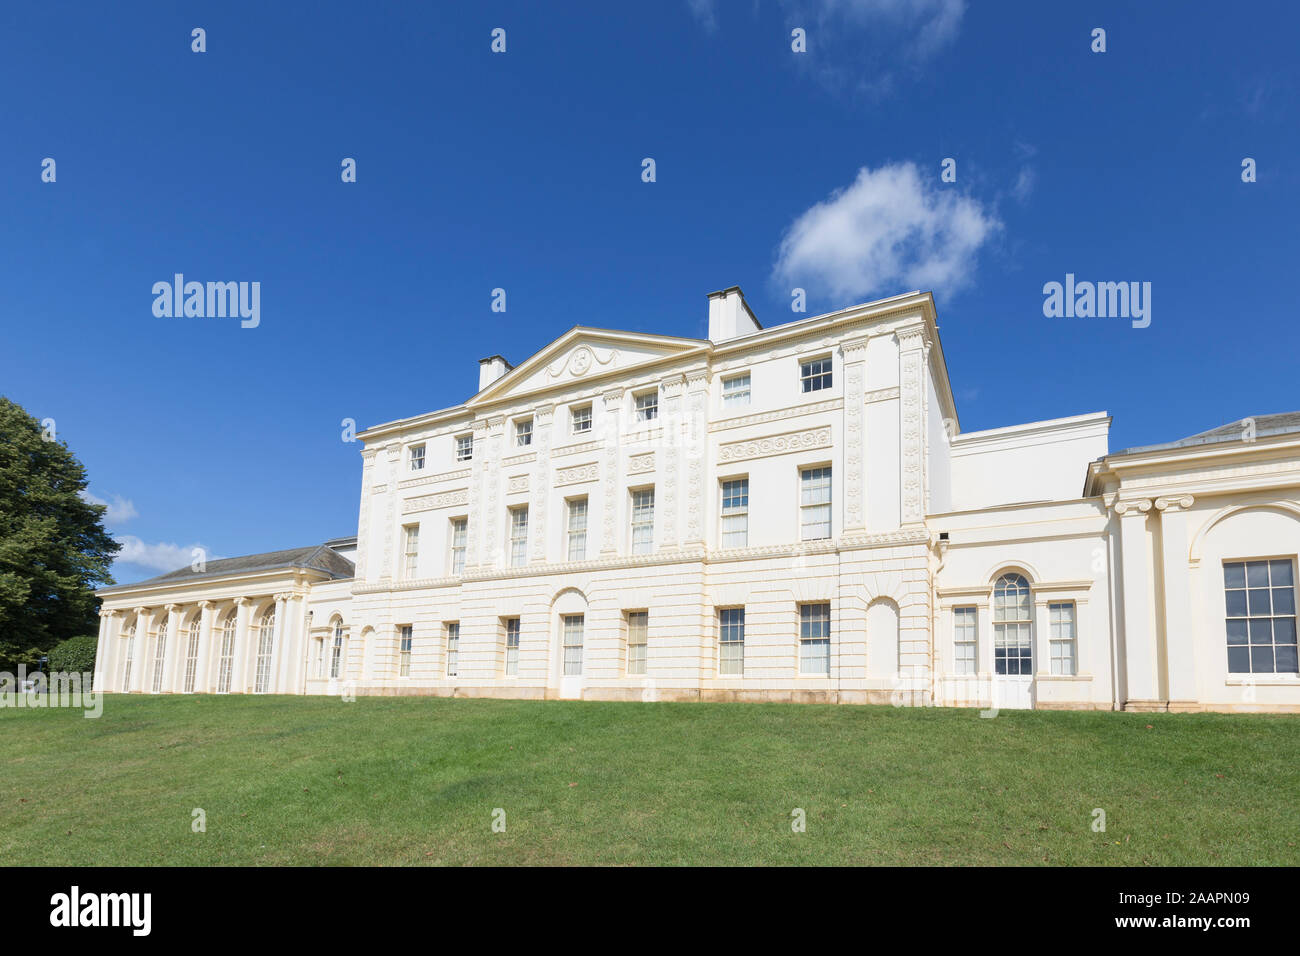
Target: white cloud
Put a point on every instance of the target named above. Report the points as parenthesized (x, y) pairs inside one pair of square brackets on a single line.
[(932, 23), (706, 12), (161, 556), (890, 231), (120, 510)]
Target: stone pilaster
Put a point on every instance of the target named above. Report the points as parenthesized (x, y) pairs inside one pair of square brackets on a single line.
[(913, 347), (611, 500), (855, 410), (543, 417)]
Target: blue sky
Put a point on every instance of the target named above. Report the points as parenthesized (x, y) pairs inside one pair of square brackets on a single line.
[(522, 170)]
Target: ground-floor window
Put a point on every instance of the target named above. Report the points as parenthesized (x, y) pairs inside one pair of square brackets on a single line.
[(265, 647), (964, 640), (227, 666), (1259, 597), (1062, 638), (815, 639), (731, 642), (512, 646), (638, 628), (336, 652), (160, 656), (453, 648), (191, 656), (404, 658), (1013, 646), (573, 645)]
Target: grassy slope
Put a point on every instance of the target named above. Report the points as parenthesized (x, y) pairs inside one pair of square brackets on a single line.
[(409, 780)]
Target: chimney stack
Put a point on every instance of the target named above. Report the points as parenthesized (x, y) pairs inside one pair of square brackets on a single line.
[(491, 369), (729, 315)]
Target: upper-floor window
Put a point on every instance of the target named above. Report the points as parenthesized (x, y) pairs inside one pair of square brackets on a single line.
[(735, 391), (464, 447), (963, 640), (519, 536), (580, 418), (643, 520), (417, 458), (1260, 601), (735, 513), (404, 658), (815, 374), (577, 531), (1060, 622), (524, 432), (815, 503), (459, 541), (512, 646), (647, 406), (410, 550), (815, 639), (638, 630)]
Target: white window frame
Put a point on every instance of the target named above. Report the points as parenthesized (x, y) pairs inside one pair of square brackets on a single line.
[(1268, 610), (734, 530), (815, 513), (1013, 625), (512, 650), (226, 664), (410, 551), (736, 390), (519, 536), (459, 544), (815, 639), (577, 519), (642, 509), (192, 655), (638, 642), (571, 630), (453, 648), (646, 406), (580, 419), (816, 374), (965, 639), (160, 654), (415, 457), (265, 652), (404, 638), (731, 642), (523, 432), (1063, 637), (465, 447), (336, 652)]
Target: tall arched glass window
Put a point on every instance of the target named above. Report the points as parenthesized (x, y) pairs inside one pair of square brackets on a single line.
[(191, 656), (336, 652), (265, 645), (159, 653), (1013, 646), (130, 657), (226, 670)]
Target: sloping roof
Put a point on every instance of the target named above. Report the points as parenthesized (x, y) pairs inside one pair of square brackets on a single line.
[(1265, 425), (318, 557)]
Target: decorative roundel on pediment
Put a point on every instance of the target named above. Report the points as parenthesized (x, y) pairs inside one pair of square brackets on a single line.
[(581, 361)]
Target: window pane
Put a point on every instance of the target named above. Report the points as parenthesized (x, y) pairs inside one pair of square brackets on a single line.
[(1282, 573)]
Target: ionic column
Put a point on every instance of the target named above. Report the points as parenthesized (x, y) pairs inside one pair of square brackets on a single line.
[(239, 666), (277, 665), (174, 655)]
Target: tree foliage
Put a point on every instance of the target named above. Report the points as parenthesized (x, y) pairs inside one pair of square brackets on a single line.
[(53, 547)]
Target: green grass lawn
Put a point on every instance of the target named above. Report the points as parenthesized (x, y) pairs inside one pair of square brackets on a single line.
[(416, 780)]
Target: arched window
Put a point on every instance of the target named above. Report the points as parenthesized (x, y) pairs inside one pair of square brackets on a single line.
[(265, 645), (160, 653), (226, 670), (1013, 646), (129, 634), (192, 655), (336, 651)]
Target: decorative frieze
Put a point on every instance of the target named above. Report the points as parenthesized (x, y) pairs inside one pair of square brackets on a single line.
[(516, 483), (881, 395), (577, 473), (781, 414), (640, 464), (446, 499), (783, 444), (460, 474)]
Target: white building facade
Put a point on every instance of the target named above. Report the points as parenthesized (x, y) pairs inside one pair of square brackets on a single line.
[(785, 514)]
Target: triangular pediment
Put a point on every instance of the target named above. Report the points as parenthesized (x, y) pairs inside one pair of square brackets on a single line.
[(582, 355)]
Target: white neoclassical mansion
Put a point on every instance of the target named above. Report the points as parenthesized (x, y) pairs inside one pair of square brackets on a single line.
[(789, 514)]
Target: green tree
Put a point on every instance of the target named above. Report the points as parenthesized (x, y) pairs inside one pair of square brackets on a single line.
[(53, 547)]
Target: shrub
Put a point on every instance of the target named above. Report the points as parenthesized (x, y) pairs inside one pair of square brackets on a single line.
[(75, 655)]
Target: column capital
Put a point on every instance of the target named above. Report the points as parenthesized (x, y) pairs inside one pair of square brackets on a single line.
[(282, 597), (139, 610), (854, 350), (241, 601), (916, 337), (1181, 502), (1134, 507), (204, 605), (612, 396), (171, 608)]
